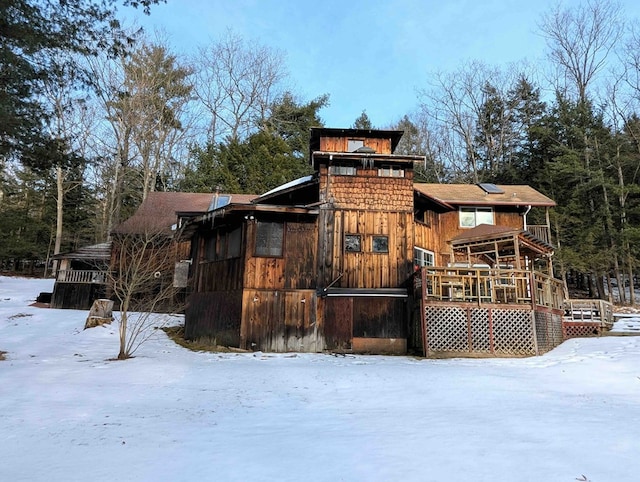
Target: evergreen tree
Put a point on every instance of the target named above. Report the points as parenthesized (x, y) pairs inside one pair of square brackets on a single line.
[(362, 121), (32, 36)]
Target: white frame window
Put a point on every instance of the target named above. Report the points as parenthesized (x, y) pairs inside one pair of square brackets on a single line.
[(354, 144), (470, 217), (342, 170), (390, 171), (423, 257)]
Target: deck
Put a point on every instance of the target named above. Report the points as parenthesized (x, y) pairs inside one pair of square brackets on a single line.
[(488, 312)]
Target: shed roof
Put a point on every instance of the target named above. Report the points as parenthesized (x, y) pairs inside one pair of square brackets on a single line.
[(95, 252), (474, 195), (159, 211)]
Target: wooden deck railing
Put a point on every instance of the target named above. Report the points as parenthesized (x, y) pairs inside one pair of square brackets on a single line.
[(81, 276), (589, 311), (486, 286), (540, 231)]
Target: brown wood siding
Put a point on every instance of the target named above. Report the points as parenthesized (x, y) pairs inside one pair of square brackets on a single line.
[(280, 321), (76, 296), (214, 315), (223, 275), (339, 144), (338, 323), (300, 255), (448, 227), (368, 269), (379, 318)]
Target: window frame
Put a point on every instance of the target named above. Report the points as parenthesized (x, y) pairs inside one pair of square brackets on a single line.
[(423, 251), (385, 245), (267, 251), (474, 210), (391, 171), (342, 169), (347, 248)]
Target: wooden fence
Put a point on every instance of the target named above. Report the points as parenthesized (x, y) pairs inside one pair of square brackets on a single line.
[(492, 286), (586, 317), (81, 276)]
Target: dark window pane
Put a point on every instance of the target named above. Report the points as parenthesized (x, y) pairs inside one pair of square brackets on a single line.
[(352, 243), (234, 239), (380, 244), (269, 238)]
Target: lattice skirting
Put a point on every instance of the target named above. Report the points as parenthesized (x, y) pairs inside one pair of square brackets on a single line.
[(580, 330), (548, 330), (489, 331)]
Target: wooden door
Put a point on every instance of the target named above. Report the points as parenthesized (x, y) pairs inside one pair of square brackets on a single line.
[(338, 323)]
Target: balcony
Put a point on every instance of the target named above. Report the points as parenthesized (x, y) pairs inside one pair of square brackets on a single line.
[(540, 231)]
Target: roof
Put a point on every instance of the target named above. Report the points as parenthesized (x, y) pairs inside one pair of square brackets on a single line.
[(317, 132), (474, 195), (483, 231), (159, 211), (489, 233), (100, 251)]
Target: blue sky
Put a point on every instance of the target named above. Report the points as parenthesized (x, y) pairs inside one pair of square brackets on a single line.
[(366, 55)]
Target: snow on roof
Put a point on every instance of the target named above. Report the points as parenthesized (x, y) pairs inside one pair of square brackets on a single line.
[(288, 185)]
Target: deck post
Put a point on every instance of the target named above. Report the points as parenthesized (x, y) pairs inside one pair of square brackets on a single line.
[(423, 312)]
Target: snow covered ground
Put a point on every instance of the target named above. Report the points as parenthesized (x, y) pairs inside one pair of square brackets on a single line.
[(67, 413)]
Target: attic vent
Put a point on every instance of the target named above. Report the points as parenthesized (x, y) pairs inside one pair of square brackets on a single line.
[(490, 188), (365, 150)]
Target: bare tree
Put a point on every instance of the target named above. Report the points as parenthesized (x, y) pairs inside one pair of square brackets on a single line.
[(141, 280), (157, 93), (237, 83), (70, 127), (469, 111), (580, 40), (145, 103)]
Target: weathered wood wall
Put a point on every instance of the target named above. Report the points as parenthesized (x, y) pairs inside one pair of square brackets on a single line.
[(281, 321), (339, 144), (76, 296), (366, 324), (215, 316), (367, 190), (367, 269)]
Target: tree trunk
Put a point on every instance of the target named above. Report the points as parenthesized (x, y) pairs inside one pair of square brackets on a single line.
[(59, 214)]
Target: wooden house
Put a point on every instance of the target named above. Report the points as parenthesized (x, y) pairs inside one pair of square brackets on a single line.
[(327, 262), (81, 277), (149, 236)]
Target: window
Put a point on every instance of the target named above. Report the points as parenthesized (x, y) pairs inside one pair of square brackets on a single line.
[(352, 243), (380, 244), (390, 171), (234, 239), (354, 144), (342, 170), (210, 248), (422, 257), (472, 217), (269, 239)]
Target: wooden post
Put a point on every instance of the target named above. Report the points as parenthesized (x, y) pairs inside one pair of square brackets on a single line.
[(423, 312)]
